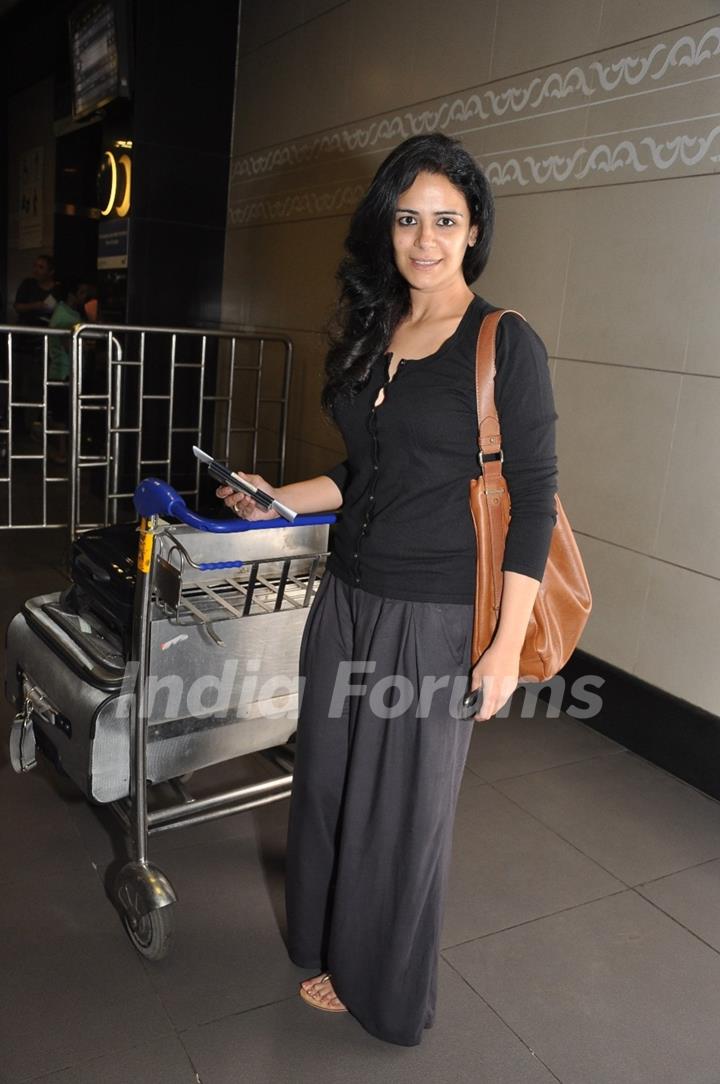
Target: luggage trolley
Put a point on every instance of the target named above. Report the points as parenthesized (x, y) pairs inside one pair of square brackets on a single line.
[(211, 674)]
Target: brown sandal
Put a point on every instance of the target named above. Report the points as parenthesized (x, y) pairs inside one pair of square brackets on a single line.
[(314, 1002)]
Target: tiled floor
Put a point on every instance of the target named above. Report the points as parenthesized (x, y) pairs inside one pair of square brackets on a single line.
[(581, 940)]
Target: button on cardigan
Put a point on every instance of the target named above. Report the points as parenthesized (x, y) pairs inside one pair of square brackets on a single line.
[(406, 531)]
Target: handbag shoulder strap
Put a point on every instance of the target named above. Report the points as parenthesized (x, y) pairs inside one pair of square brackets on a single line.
[(491, 482), (489, 436)]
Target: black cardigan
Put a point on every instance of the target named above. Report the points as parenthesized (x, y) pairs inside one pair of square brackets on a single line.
[(406, 531)]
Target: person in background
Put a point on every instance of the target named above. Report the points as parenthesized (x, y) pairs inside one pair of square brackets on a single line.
[(35, 298), (76, 304)]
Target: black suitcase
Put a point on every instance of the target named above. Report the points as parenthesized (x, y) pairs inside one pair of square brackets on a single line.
[(103, 564)]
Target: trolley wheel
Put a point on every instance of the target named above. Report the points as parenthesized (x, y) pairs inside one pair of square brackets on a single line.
[(152, 934)]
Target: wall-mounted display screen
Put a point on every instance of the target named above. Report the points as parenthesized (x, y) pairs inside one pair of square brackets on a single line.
[(98, 48)]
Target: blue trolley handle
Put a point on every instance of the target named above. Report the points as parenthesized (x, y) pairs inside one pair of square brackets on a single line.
[(153, 497)]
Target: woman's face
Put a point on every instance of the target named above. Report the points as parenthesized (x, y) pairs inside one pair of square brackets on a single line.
[(431, 232), (41, 269)]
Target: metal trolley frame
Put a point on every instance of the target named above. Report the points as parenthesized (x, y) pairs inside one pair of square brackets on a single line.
[(192, 593)]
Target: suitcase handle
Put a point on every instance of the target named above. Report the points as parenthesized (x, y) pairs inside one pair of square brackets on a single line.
[(153, 497)]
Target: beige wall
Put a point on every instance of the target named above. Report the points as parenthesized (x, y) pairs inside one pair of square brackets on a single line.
[(30, 125), (599, 127)]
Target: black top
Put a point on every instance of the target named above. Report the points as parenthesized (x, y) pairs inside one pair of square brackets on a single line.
[(28, 291), (406, 531)]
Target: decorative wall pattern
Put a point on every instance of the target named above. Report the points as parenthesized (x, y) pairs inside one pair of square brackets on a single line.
[(681, 153), (667, 65), (309, 204)]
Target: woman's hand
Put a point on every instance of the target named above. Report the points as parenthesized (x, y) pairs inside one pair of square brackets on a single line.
[(496, 672), (498, 668), (242, 504)]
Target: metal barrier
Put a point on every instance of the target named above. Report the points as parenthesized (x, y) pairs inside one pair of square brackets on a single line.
[(135, 401), (30, 496)]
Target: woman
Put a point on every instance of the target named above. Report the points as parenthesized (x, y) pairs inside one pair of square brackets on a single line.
[(381, 742)]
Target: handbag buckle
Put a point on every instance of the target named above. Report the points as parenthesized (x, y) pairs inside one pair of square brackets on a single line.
[(483, 457)]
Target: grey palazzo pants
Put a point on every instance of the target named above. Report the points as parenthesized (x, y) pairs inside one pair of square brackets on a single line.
[(373, 800)]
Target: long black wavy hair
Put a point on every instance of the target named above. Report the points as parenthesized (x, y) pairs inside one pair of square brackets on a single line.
[(374, 296)]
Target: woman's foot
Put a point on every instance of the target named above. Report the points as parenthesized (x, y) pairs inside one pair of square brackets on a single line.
[(319, 993)]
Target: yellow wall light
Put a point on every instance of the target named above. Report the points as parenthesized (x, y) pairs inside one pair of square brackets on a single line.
[(110, 160), (124, 205)]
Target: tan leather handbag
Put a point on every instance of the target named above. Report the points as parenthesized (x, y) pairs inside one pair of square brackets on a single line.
[(563, 600)]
